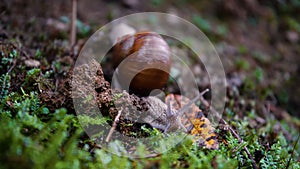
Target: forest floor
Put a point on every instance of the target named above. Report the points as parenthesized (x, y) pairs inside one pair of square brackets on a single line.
[(259, 46)]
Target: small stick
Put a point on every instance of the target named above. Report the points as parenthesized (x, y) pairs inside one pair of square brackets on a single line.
[(73, 24), (114, 125), (241, 141), (288, 163), (206, 104), (146, 156), (12, 67)]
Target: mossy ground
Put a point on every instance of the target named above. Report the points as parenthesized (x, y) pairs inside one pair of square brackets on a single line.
[(39, 128)]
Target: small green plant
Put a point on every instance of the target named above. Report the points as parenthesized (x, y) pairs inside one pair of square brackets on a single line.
[(222, 30), (259, 74), (117, 96), (38, 54), (151, 132), (293, 24), (32, 77), (277, 156), (242, 49), (242, 64), (203, 24), (82, 28), (5, 85), (7, 59), (156, 2), (86, 120)]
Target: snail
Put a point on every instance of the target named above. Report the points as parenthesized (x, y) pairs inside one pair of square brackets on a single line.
[(142, 62)]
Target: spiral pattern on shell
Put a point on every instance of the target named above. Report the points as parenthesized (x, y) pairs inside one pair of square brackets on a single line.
[(144, 60)]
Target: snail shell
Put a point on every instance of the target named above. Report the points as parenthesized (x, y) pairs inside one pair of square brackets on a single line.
[(144, 60)]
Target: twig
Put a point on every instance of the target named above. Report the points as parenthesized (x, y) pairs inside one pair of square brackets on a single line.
[(241, 141), (206, 104), (288, 163), (12, 67), (114, 125), (146, 156), (73, 24)]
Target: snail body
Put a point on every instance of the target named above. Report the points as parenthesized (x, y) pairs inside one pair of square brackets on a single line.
[(162, 116), (142, 62)]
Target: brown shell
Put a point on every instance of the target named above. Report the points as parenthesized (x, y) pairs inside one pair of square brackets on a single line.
[(147, 61)]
